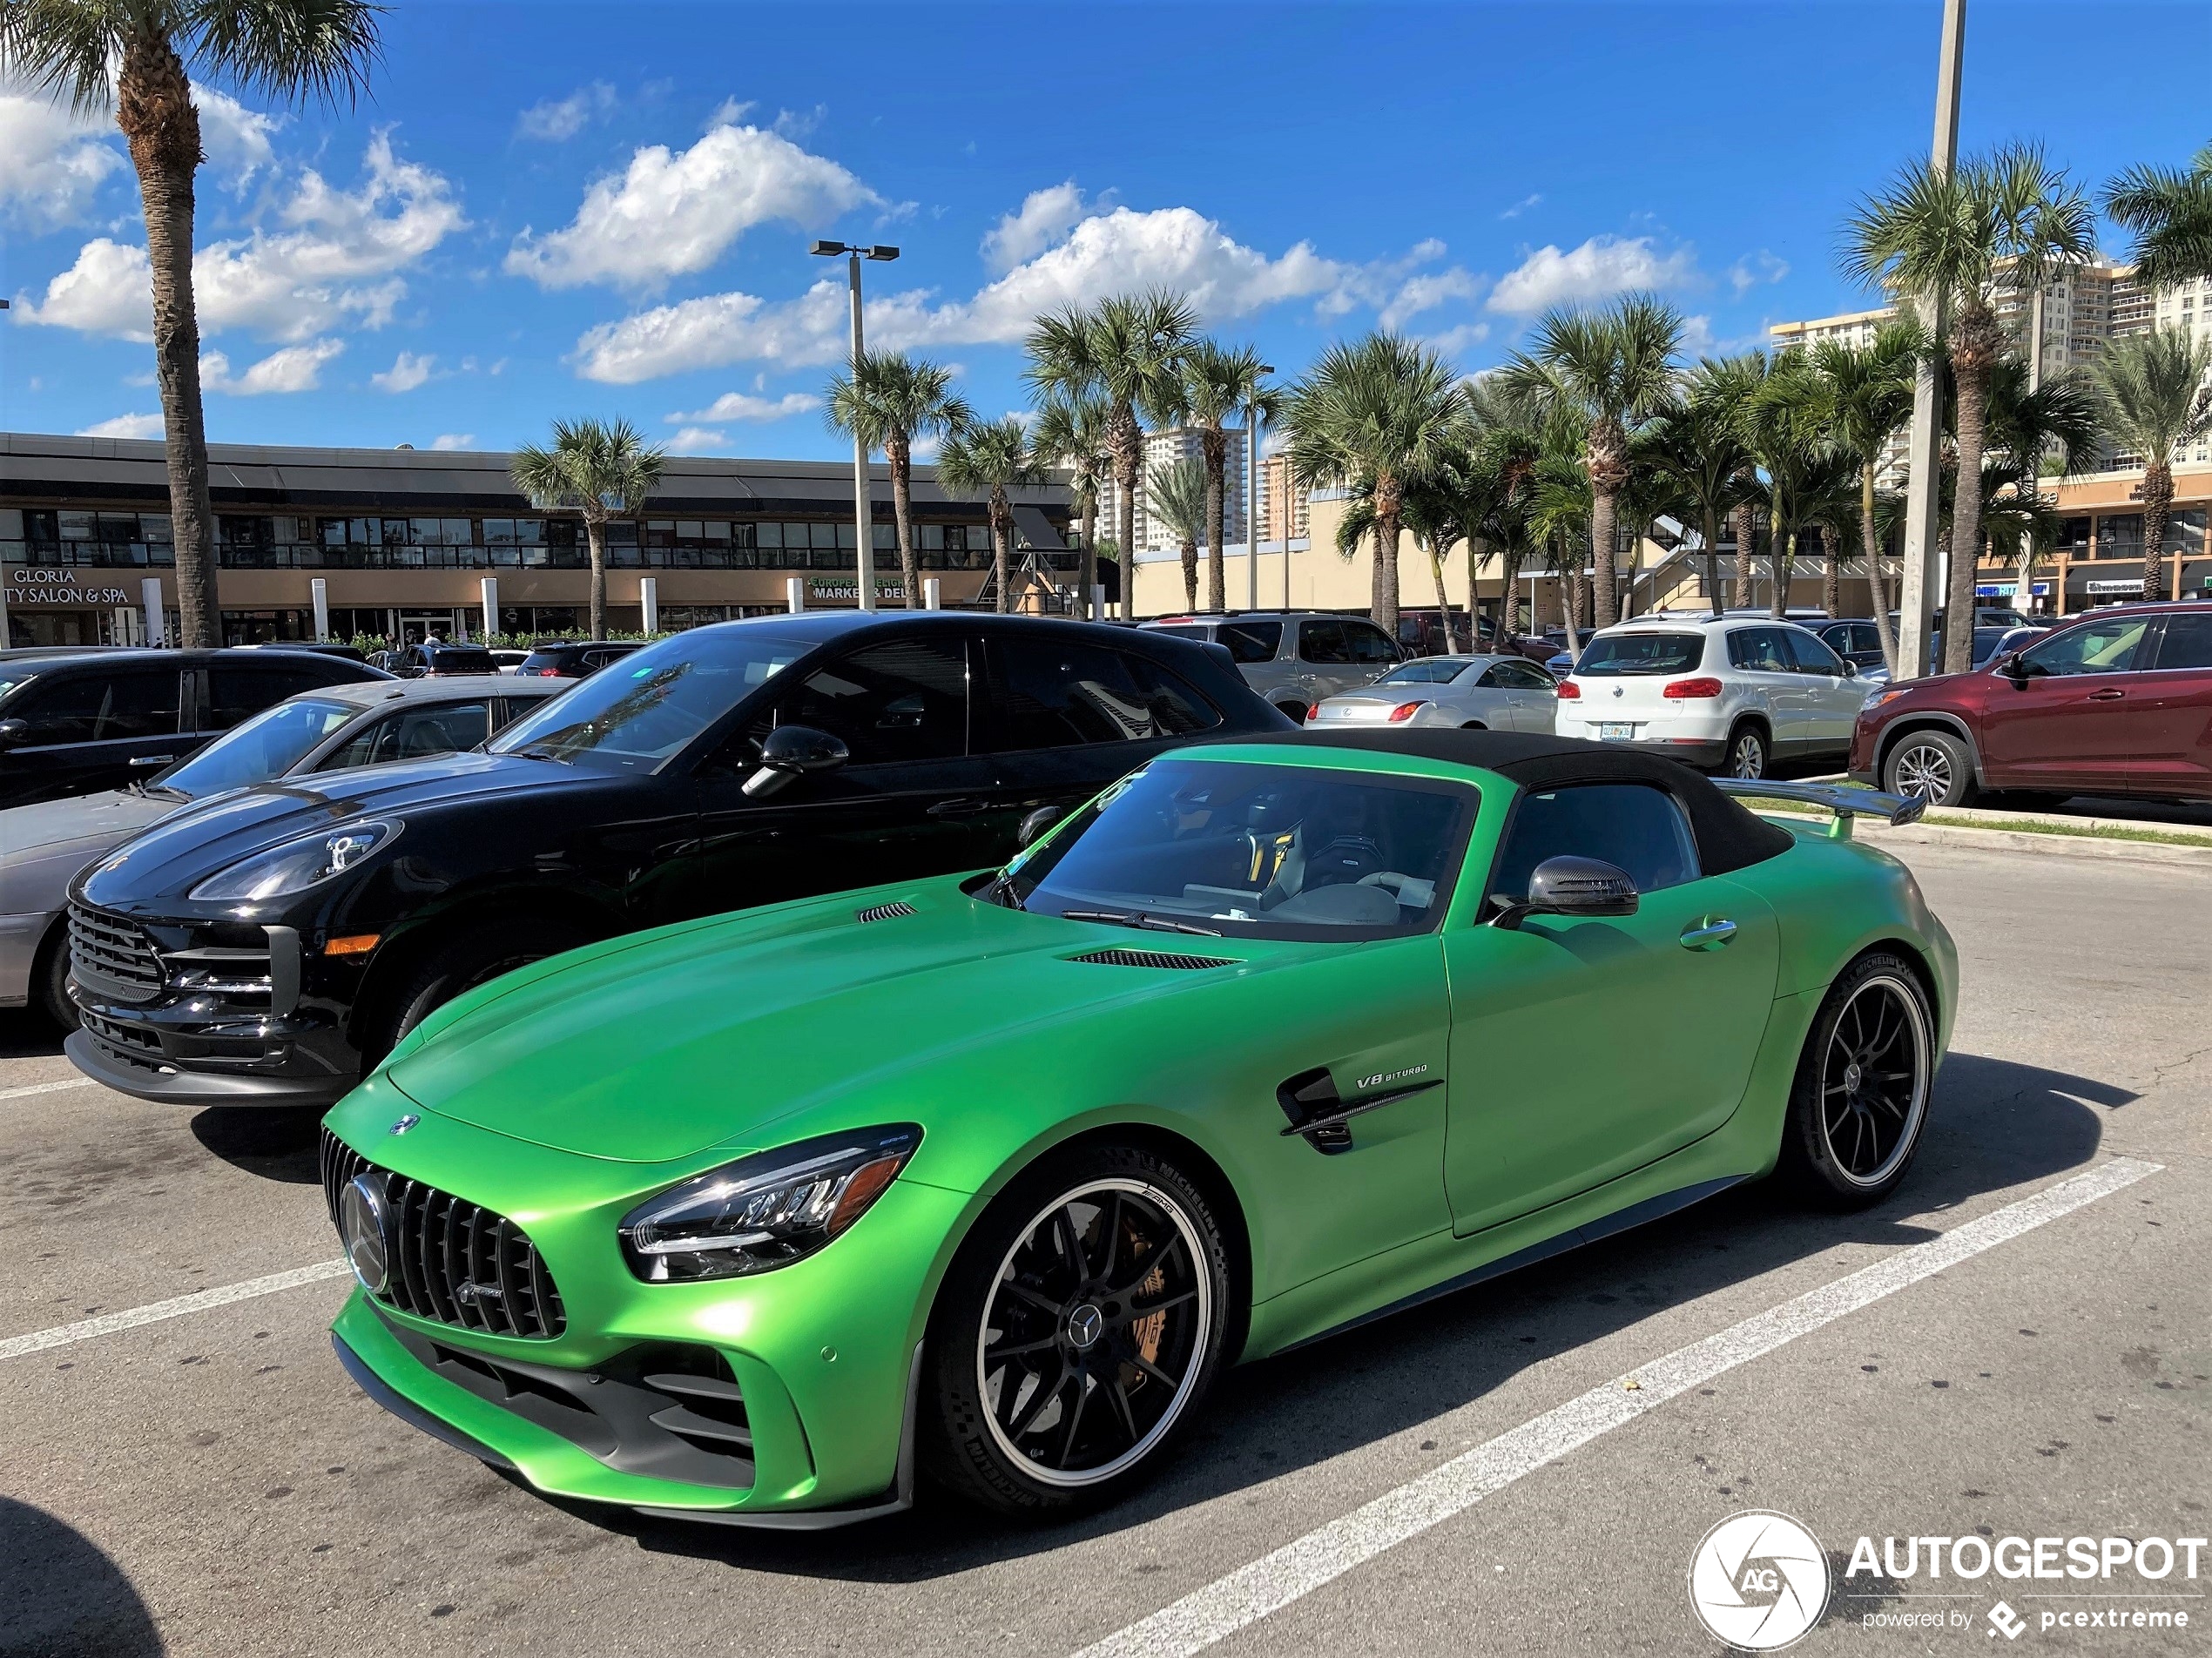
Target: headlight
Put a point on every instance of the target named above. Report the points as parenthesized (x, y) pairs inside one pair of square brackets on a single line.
[(1875, 699), (765, 1210), (298, 865)]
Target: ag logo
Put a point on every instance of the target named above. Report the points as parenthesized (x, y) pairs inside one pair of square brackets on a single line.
[(1759, 1582)]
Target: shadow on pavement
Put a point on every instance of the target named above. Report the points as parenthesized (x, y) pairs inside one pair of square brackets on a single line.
[(25, 1034), (1995, 1124), (276, 1143), (60, 1597)]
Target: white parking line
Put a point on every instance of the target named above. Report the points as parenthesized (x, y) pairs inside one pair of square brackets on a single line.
[(1298, 1568), (46, 1088), (108, 1323)]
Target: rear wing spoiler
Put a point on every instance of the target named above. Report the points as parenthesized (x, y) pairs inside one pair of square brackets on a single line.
[(1896, 810)]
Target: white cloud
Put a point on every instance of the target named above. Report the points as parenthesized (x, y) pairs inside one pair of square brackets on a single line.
[(453, 441), (334, 264), (294, 369), (1755, 268), (744, 406), (1426, 292), (1044, 217), (692, 439), (1121, 251), (668, 214), (1455, 340), (124, 425), (409, 370), (237, 140), (729, 112), (558, 121), (52, 163), (1521, 207), (1600, 268)]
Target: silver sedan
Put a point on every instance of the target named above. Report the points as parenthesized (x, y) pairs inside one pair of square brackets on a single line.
[(1492, 693)]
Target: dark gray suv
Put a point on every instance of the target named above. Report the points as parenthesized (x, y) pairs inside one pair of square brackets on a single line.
[(1295, 658)]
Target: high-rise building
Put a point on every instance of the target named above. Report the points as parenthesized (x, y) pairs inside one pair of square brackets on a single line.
[(1164, 449), (1282, 503)]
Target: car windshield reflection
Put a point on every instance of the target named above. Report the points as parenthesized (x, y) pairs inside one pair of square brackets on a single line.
[(1255, 851)]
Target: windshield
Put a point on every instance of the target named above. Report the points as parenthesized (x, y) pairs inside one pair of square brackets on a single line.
[(635, 713), (1255, 851), (1641, 653), (265, 746), (1429, 670)]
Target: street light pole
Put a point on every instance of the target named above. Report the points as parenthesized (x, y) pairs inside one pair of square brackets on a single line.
[(1922, 579), (863, 496), (1251, 497)]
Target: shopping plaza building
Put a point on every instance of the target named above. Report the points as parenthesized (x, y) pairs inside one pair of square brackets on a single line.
[(400, 544)]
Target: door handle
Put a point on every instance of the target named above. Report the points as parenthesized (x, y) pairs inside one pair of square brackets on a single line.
[(2110, 694), (154, 760), (1708, 934), (959, 808)]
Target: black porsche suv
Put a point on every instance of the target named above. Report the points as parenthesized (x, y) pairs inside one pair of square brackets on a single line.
[(269, 947)]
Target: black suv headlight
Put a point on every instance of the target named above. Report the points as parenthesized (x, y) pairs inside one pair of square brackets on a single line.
[(765, 1210), (297, 865)]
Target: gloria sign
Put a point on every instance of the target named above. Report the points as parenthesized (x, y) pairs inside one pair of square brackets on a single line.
[(28, 587)]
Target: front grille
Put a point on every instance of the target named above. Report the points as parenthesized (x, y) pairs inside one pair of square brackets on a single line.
[(1118, 958), (890, 912), (452, 1261), (129, 1041), (113, 960)]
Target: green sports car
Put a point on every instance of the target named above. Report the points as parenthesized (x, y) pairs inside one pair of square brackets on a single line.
[(984, 1179)]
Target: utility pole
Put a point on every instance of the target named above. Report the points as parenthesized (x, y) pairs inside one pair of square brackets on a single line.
[(863, 502), (1923, 578), (1251, 498)]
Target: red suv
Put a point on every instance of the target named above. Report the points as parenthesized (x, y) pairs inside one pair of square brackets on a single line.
[(2118, 702)]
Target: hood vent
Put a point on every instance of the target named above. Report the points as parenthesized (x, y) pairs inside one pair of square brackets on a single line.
[(890, 912), (1153, 959)]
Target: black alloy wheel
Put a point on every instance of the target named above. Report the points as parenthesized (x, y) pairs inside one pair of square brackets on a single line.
[(1861, 1098), (1080, 1336)]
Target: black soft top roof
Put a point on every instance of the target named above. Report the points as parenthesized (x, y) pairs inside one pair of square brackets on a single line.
[(1728, 836)]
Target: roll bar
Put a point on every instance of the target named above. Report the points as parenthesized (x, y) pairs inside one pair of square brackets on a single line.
[(1896, 810)]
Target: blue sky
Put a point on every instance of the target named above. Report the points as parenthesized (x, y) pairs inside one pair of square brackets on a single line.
[(601, 208)]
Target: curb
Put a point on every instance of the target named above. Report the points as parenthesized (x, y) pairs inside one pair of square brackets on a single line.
[(1875, 833)]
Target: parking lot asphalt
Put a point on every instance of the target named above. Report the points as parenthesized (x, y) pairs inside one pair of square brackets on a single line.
[(211, 1483)]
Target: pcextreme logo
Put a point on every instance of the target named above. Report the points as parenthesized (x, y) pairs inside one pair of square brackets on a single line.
[(1759, 1582)]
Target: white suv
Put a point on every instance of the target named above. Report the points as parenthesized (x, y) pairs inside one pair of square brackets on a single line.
[(1733, 693)]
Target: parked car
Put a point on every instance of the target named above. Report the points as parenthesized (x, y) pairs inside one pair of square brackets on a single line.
[(1855, 639), (2117, 702), (1006, 1144), (437, 658), (746, 763), (333, 728), (320, 647), (1483, 693), (574, 661), (81, 721), (1293, 658), (508, 661), (1729, 692)]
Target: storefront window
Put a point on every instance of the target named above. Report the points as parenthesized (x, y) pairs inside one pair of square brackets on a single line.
[(2120, 535), (2073, 537)]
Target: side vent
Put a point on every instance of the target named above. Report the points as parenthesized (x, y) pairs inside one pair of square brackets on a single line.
[(1153, 959), (890, 912)]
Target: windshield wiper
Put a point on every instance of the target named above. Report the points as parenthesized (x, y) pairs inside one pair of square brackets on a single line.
[(540, 752), (1150, 923)]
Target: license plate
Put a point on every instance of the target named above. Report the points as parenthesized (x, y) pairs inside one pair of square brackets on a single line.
[(1617, 731)]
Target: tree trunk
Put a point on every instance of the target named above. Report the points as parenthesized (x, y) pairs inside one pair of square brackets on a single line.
[(1443, 604), (1973, 348), (1126, 439), (595, 533), (1605, 509), (1747, 543), (1711, 527), (1214, 446), (1832, 582), (1778, 597), (154, 109), (1509, 572), (2158, 509), (1877, 589), (1383, 606), (1001, 549), (899, 451), (1086, 561)]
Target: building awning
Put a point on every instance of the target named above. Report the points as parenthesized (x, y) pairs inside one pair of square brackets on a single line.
[(1032, 529)]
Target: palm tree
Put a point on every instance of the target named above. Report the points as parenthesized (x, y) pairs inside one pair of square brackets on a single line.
[(1071, 431), (1177, 494), (1383, 410), (1960, 238), (1128, 350), (1615, 370), (894, 400), (1701, 447), (1496, 478), (2155, 401), (990, 458), (1785, 428), (1559, 518), (1868, 394), (1218, 385), (296, 52), (2171, 215), (598, 471)]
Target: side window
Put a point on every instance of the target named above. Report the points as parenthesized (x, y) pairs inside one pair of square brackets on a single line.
[(1633, 827), (1049, 693), (1494, 678), (1252, 641), (1865, 639), (1759, 651), (1323, 642), (1520, 676), (2092, 648), (235, 694), (1809, 653), (100, 708), (1369, 643), (2188, 643), (904, 700)]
